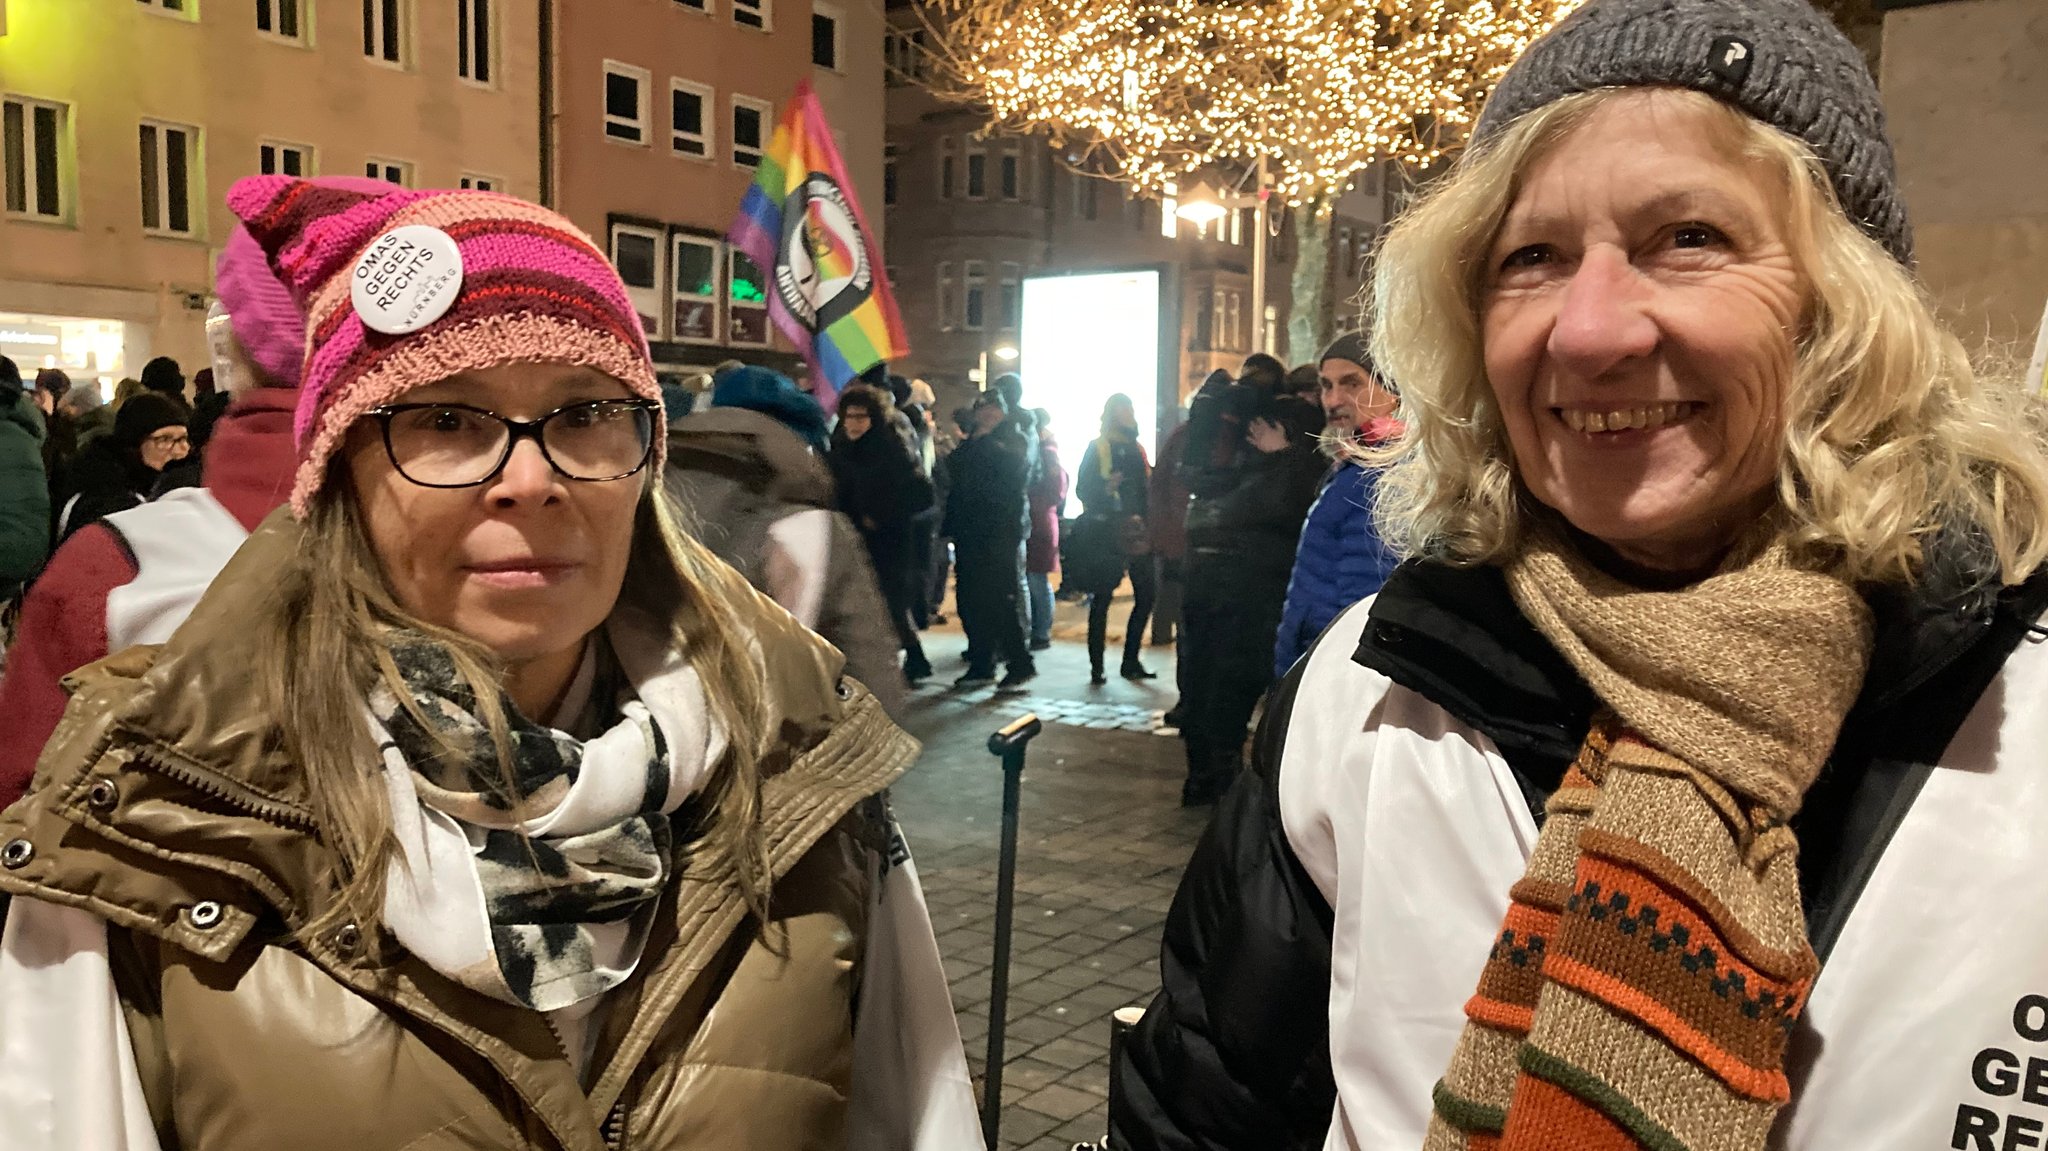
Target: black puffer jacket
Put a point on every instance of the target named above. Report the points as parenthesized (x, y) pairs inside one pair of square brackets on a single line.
[(1234, 1052), (1245, 518), (986, 497)]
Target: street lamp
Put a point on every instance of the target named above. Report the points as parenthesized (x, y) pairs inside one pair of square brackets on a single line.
[(1005, 353), (1205, 208)]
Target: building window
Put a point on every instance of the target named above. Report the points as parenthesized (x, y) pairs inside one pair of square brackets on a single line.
[(170, 169), (1205, 320), (1009, 174), (1169, 205), (749, 130), (473, 40), (746, 302), (696, 266), (975, 283), (1242, 222), (1341, 250), (689, 119), (903, 51), (1010, 298), (1084, 195), (949, 164), (280, 18), (1233, 321), (384, 30), (475, 183), (177, 7), (34, 157), (275, 159), (754, 13), (889, 154), (637, 253), (625, 102), (977, 170), (699, 5), (949, 314), (825, 23), (397, 172)]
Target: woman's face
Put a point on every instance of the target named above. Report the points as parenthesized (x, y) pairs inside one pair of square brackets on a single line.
[(165, 446), (527, 563), (856, 422), (1123, 415), (1639, 321)]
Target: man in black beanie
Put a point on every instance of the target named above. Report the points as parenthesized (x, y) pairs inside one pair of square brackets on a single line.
[(165, 378)]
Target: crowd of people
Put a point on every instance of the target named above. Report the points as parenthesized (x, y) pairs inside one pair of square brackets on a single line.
[(454, 713)]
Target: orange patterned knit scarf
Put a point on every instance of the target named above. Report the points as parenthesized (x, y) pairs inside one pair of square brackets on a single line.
[(1654, 957)]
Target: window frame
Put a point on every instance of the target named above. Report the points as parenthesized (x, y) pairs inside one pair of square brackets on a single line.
[(733, 256), (707, 105), (1010, 297), (1010, 172), (703, 6), (408, 172), (947, 306), (478, 182), (399, 31), (837, 16), (309, 164), (303, 12), (762, 10), (195, 180), (974, 295), (1169, 207), (766, 109), (662, 289), (642, 122), (949, 166), (31, 171), (186, 10), (720, 284), (974, 150), (466, 36), (892, 175)]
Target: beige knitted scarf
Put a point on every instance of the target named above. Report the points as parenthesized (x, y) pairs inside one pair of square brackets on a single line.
[(1653, 960)]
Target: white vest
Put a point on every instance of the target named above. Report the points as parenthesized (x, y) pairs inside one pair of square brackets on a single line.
[(180, 542), (1928, 1028)]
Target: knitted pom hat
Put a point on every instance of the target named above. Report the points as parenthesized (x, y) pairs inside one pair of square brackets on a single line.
[(1780, 61), (401, 288)]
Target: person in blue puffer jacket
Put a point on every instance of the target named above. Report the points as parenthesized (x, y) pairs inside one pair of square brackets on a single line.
[(1340, 559)]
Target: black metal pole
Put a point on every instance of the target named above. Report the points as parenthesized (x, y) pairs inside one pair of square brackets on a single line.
[(1009, 743)]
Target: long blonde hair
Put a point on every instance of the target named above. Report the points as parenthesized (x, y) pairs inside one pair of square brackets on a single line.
[(322, 621), (1892, 435)]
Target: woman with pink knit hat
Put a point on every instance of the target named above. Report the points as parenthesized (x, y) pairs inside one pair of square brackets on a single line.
[(475, 805)]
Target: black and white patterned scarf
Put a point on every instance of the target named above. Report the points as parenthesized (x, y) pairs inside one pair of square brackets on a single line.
[(540, 894)]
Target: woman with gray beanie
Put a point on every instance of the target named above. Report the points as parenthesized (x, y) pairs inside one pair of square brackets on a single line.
[(1683, 789)]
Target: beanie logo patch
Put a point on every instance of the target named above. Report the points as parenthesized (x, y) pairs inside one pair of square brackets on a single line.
[(408, 278), (1730, 58)]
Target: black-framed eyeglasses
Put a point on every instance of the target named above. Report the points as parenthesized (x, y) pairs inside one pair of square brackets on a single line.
[(460, 446)]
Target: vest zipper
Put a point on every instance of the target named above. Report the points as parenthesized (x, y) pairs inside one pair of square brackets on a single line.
[(203, 781), (615, 1127)]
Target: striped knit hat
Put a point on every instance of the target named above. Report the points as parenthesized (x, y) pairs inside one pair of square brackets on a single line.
[(464, 281)]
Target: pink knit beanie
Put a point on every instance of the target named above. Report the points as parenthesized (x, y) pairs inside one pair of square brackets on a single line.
[(401, 288)]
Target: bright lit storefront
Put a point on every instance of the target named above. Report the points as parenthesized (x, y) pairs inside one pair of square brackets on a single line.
[(84, 348)]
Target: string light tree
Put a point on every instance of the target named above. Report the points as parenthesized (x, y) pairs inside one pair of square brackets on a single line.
[(1299, 95)]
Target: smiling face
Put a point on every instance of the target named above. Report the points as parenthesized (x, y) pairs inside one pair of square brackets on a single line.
[(1639, 319), (527, 563)]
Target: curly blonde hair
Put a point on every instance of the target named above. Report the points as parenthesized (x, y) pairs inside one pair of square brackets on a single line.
[(1892, 435)]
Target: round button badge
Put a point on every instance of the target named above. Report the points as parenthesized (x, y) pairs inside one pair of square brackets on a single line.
[(406, 280)]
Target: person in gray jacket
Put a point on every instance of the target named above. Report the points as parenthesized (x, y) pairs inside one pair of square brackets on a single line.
[(762, 500)]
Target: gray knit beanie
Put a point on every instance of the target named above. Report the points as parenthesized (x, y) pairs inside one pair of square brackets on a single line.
[(1780, 61)]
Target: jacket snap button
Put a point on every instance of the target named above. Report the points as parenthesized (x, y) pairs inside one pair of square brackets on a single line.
[(17, 853), (103, 795), (348, 939), (205, 914), (845, 689)]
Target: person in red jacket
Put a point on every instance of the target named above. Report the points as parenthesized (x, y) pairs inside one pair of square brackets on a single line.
[(93, 598)]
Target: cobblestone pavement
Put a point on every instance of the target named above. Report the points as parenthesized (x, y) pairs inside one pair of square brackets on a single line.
[(1100, 850)]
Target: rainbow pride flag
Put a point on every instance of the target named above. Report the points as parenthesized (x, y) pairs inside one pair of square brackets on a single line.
[(827, 290)]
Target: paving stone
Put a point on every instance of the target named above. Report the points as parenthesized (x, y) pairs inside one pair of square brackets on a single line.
[(1102, 843)]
